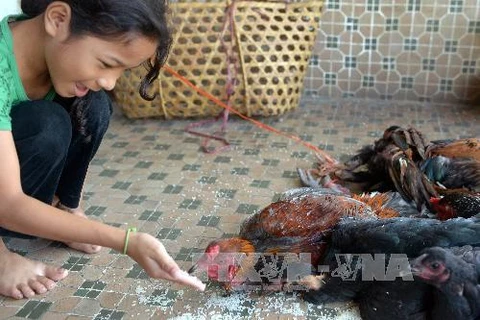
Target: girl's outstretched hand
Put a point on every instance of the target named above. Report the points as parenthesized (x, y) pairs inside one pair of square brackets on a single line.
[(154, 259)]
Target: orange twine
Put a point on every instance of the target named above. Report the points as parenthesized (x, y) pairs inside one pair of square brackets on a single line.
[(259, 124)]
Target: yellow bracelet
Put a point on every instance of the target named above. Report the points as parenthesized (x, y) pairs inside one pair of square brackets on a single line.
[(125, 246)]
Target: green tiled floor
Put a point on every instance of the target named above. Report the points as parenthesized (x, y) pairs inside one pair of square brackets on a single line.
[(152, 175)]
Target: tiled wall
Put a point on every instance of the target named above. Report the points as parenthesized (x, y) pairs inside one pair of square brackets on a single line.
[(426, 50)]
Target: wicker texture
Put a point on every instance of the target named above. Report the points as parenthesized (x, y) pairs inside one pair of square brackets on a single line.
[(266, 51)]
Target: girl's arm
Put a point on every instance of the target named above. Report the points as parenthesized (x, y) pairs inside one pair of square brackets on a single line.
[(24, 214)]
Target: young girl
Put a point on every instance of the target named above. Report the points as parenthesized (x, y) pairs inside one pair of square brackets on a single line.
[(54, 63)]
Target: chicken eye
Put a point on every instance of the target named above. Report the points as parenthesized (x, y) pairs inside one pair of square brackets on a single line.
[(434, 265)]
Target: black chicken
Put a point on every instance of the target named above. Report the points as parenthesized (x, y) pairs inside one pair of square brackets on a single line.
[(456, 203), (455, 273), (397, 298)]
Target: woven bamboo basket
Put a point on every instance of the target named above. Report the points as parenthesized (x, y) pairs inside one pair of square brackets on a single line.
[(264, 53)]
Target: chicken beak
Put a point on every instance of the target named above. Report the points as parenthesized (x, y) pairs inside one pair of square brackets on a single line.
[(193, 269), (415, 263)]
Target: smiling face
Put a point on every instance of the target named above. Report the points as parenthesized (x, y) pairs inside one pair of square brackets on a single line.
[(90, 63), (77, 64)]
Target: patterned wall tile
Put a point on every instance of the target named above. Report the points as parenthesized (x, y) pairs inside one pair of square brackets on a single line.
[(355, 42)]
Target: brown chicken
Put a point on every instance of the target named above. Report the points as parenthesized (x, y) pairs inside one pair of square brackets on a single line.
[(461, 148), (299, 222)]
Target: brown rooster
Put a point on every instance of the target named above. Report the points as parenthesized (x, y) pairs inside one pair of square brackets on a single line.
[(461, 148), (402, 160), (299, 222)]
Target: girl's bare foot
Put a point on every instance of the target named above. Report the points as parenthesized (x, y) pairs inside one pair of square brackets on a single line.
[(84, 247), (23, 278)]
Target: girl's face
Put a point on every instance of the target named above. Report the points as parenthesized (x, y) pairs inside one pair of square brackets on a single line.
[(89, 63)]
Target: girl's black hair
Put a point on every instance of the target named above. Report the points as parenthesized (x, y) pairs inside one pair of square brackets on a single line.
[(110, 19)]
